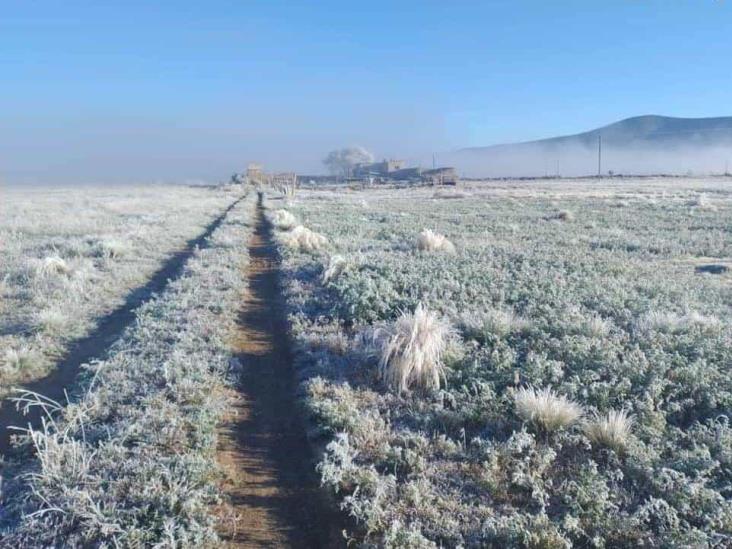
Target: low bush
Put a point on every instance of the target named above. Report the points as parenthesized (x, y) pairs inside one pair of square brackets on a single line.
[(545, 409), (282, 219), (304, 239), (412, 350), (430, 241)]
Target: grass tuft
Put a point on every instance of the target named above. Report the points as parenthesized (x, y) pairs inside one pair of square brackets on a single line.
[(336, 265), (114, 249), (53, 265), (304, 239), (546, 409), (430, 241), (22, 360), (611, 430), (412, 350), (282, 219), (51, 320), (564, 215)]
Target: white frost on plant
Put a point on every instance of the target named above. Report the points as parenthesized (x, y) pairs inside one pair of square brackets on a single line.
[(304, 239), (612, 429), (430, 241), (545, 409), (412, 350), (283, 219)]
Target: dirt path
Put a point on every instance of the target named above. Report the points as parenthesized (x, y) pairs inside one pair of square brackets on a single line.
[(97, 343), (275, 499)]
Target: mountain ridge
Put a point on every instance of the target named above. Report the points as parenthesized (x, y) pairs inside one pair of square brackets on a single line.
[(644, 144), (646, 129)]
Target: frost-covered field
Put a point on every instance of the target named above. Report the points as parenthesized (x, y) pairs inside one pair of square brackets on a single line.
[(583, 360), (69, 256), (131, 461)]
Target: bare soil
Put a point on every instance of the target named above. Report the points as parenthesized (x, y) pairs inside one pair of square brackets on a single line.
[(273, 495)]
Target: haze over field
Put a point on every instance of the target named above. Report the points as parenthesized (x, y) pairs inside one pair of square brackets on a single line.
[(638, 145), (137, 92), (204, 342)]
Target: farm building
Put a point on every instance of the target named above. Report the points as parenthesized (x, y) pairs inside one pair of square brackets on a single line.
[(395, 170), (385, 168), (441, 176)]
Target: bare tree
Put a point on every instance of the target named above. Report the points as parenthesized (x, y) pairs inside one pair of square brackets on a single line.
[(342, 161)]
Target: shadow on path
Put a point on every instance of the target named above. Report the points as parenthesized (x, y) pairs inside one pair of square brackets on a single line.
[(275, 499)]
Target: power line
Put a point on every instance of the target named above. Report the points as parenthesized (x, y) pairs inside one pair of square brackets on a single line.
[(599, 155)]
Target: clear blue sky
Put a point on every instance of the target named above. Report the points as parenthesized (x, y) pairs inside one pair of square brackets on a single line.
[(140, 91)]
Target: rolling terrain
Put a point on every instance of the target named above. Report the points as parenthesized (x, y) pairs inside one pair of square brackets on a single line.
[(648, 144)]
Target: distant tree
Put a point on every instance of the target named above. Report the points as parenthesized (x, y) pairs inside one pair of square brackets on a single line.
[(342, 161)]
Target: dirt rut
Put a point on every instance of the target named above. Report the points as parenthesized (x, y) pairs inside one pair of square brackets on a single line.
[(95, 345), (275, 500)]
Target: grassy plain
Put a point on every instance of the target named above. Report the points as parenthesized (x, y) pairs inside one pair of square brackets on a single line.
[(70, 256), (587, 352), (130, 460)]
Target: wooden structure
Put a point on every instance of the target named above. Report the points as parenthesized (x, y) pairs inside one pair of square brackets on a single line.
[(285, 183), (441, 176), (255, 174)]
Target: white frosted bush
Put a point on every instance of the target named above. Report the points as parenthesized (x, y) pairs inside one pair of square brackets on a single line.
[(564, 215), (612, 429), (412, 350), (430, 241), (304, 239), (51, 320), (336, 265), (19, 360), (499, 322), (668, 322), (114, 248), (546, 409), (53, 265), (283, 219), (701, 202)]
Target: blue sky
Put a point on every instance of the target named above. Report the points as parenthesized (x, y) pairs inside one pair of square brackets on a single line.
[(142, 91)]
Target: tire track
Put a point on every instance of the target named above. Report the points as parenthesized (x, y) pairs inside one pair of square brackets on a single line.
[(274, 499), (95, 345)]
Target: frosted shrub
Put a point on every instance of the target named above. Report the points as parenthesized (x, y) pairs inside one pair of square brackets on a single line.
[(430, 241), (283, 219), (546, 409), (496, 322), (564, 215), (611, 430), (336, 265), (701, 201), (596, 327), (446, 195), (51, 320), (4, 286), (672, 323), (304, 239), (412, 350), (53, 265), (114, 249), (19, 360)]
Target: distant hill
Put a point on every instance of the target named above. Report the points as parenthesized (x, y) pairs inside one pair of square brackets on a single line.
[(642, 144)]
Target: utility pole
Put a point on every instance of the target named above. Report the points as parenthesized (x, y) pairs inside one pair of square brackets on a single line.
[(434, 161), (599, 155)]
